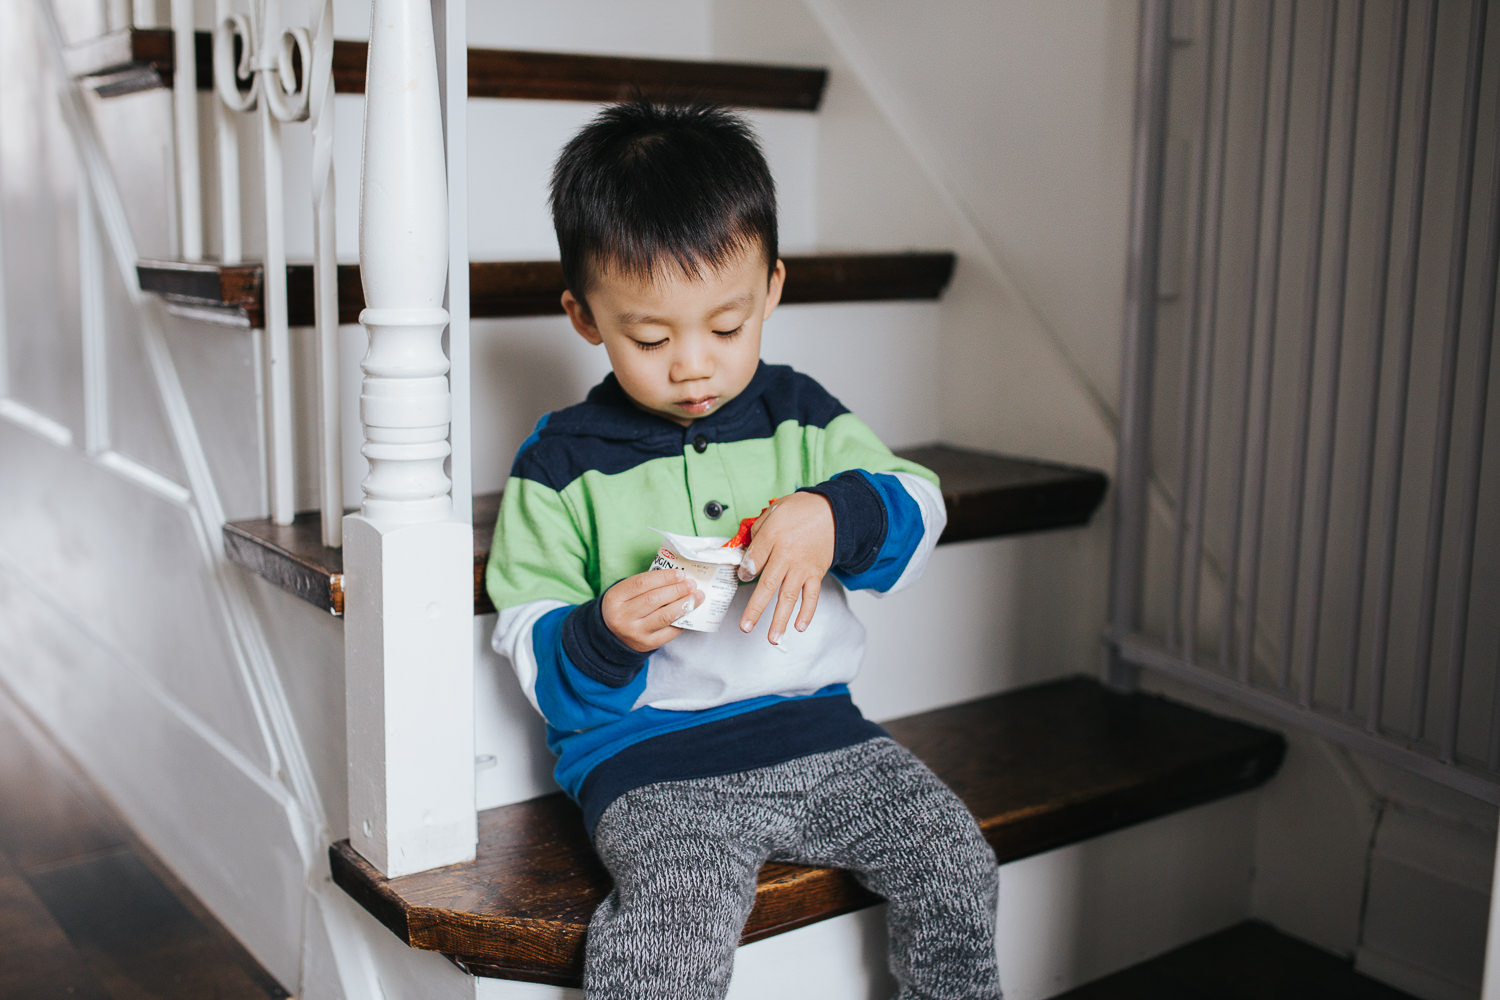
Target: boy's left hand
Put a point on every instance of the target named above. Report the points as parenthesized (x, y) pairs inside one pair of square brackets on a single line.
[(791, 549)]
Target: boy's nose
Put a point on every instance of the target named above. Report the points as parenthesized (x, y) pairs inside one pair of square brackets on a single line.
[(692, 362)]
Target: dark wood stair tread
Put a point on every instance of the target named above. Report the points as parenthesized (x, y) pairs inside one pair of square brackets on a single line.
[(1040, 768), (135, 59), (233, 294), (987, 495), (1249, 961)]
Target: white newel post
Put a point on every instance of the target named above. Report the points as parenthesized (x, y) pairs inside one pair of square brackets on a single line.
[(408, 563)]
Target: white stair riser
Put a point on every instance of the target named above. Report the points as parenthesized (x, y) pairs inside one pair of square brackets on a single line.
[(873, 356), (956, 637), (513, 145)]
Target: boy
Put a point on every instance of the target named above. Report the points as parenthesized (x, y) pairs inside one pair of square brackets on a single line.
[(697, 756)]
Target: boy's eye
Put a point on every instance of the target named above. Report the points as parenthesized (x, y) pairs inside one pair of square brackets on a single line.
[(729, 333), (651, 345)]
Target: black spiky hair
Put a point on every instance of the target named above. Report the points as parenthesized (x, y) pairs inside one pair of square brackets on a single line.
[(645, 186)]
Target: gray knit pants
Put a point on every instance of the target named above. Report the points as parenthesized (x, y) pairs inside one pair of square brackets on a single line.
[(684, 856)]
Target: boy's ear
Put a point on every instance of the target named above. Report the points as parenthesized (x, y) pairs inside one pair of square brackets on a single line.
[(773, 289), (583, 320)]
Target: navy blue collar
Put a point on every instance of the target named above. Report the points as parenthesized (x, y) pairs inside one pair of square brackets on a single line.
[(607, 412)]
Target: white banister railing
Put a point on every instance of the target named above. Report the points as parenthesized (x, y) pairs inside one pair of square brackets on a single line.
[(408, 561), (108, 244), (266, 77)]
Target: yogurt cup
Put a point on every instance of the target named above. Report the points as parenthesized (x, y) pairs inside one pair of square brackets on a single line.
[(712, 567)]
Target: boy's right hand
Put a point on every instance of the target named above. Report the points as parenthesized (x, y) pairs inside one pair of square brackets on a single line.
[(640, 609)]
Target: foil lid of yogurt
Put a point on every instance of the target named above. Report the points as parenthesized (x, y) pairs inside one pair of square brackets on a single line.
[(703, 548)]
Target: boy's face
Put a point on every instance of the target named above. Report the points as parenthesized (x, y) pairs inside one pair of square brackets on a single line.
[(681, 346)]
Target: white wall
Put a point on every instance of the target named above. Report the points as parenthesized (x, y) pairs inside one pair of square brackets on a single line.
[(1001, 131)]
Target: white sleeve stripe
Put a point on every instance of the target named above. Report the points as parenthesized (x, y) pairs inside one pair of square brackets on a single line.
[(929, 500), (512, 640)]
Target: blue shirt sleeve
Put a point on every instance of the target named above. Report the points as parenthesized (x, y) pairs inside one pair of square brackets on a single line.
[(878, 528), (581, 684)]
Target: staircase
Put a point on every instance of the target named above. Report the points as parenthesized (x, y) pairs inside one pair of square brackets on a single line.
[(1044, 767)]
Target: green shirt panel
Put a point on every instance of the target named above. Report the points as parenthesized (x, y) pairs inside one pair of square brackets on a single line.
[(570, 546)]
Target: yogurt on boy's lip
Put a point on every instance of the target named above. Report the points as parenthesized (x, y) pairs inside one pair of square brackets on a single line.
[(699, 407), (712, 567)]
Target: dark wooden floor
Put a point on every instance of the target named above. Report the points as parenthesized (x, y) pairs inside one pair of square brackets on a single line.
[(85, 910), (1251, 961)]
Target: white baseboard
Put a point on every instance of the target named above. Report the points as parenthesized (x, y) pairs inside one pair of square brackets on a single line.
[(1419, 983)]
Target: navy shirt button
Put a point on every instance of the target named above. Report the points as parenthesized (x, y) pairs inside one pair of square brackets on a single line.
[(714, 510), (700, 444)]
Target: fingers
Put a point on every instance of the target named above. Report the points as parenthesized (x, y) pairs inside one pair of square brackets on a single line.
[(788, 591), (791, 549), (643, 584), (810, 591), (640, 609), (669, 600), (663, 616), (786, 602), (664, 602), (753, 560), (756, 606)]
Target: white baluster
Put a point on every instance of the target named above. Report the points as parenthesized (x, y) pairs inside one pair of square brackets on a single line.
[(325, 275), (227, 137), (94, 325), (266, 72), (185, 121), (117, 14), (277, 332), (145, 14), (408, 564)]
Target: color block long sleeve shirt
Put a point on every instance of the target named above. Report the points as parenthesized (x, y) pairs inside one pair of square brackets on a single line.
[(585, 495)]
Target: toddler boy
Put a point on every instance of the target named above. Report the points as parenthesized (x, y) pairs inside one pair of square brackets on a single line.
[(697, 756)]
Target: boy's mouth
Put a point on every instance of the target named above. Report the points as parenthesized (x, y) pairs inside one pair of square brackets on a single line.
[(699, 406)]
